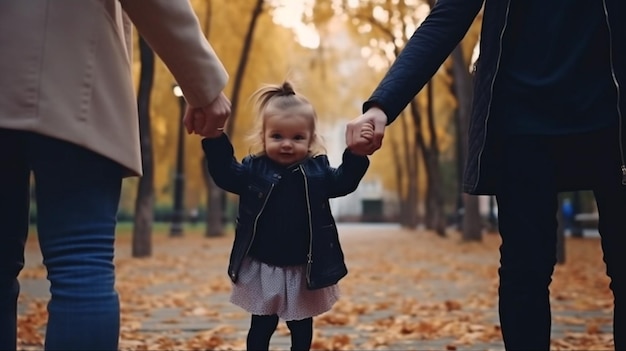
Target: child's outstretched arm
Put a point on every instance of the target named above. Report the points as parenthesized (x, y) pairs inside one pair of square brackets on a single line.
[(345, 179), (227, 173)]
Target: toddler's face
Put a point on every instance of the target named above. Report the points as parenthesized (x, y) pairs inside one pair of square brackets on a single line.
[(287, 138)]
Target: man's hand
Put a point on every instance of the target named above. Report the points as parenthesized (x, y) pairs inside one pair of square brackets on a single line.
[(359, 137), (208, 121)]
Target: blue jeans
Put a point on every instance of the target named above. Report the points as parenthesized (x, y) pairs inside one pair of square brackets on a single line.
[(534, 169), (77, 197)]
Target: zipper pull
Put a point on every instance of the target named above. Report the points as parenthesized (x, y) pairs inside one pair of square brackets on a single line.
[(623, 175)]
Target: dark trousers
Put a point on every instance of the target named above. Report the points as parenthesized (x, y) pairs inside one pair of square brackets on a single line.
[(533, 170), (77, 196)]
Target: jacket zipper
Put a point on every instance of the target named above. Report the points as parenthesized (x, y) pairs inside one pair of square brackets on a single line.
[(256, 219), (493, 82), (617, 88), (309, 261)]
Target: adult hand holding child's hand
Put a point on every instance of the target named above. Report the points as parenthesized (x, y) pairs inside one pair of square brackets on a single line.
[(364, 134), (208, 121)]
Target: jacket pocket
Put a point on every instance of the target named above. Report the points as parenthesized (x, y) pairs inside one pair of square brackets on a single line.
[(328, 266)]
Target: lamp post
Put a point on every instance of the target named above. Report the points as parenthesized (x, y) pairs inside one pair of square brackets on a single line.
[(179, 178)]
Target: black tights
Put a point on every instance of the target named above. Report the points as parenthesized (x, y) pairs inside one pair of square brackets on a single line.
[(262, 328)]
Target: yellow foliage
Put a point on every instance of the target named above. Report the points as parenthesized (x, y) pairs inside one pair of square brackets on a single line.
[(338, 75)]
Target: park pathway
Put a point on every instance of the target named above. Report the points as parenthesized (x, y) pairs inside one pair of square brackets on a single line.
[(406, 290)]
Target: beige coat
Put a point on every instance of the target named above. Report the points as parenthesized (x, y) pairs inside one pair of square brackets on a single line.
[(65, 68)]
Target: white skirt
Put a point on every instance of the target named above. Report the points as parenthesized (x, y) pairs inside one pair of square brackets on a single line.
[(262, 289)]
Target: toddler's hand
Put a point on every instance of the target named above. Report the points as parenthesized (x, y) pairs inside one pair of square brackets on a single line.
[(367, 131)]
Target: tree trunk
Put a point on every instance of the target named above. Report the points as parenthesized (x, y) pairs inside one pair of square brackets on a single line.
[(472, 227), (400, 174), (438, 215), (492, 218), (217, 196), (472, 223), (460, 150), (144, 203), (241, 67), (433, 174), (410, 159), (215, 208), (434, 201)]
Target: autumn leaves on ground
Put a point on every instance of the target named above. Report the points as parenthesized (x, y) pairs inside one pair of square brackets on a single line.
[(408, 290)]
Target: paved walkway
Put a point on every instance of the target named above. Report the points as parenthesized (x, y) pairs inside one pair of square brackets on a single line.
[(406, 290)]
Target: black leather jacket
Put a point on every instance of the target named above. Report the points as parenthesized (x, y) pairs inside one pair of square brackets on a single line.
[(435, 39), (253, 180)]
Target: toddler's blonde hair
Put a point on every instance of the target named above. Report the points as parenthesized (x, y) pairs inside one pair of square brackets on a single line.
[(273, 100)]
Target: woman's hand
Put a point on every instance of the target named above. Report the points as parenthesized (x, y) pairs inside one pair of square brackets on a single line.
[(208, 121)]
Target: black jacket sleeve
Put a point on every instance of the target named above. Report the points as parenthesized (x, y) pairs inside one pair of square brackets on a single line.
[(227, 173), (428, 47), (345, 179)]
